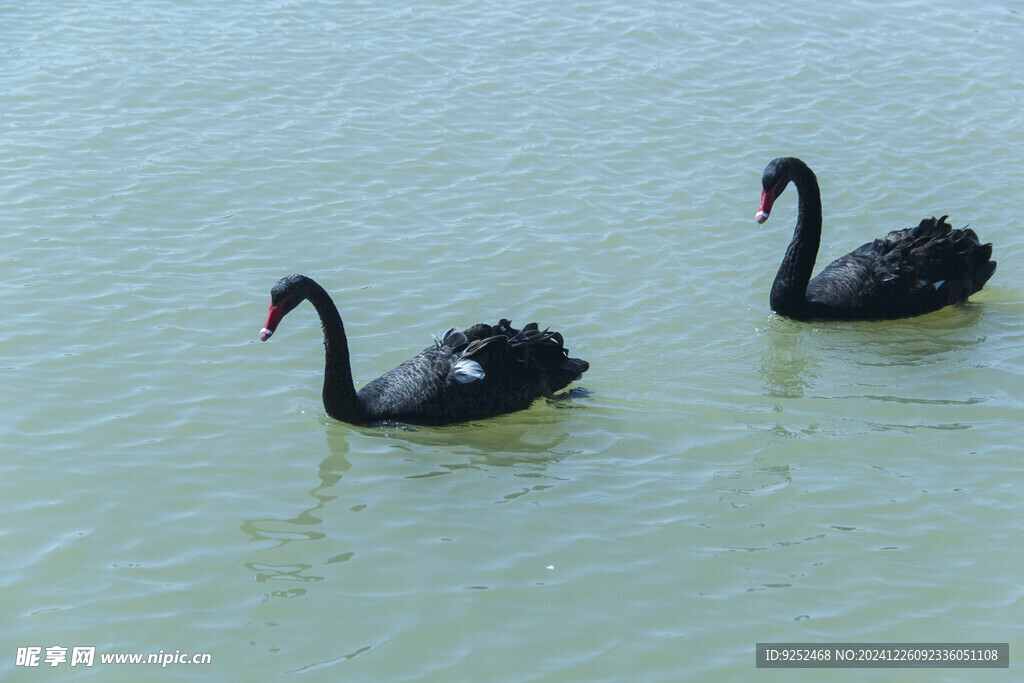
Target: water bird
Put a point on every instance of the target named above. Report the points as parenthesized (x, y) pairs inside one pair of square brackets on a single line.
[(480, 372), (904, 274)]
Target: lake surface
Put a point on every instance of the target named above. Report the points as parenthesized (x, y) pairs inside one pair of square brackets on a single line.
[(720, 477)]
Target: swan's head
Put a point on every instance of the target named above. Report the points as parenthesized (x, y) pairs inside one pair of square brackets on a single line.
[(288, 293), (776, 176)]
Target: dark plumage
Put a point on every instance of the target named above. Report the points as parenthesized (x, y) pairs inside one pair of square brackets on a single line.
[(482, 371), (906, 273)]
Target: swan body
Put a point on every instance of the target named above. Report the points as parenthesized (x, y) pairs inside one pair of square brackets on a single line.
[(906, 273), (482, 371)]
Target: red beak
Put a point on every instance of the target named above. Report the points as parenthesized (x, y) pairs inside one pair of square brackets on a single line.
[(767, 200), (276, 313)]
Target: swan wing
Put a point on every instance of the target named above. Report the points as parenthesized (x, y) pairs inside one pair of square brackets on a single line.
[(905, 273), (478, 372)]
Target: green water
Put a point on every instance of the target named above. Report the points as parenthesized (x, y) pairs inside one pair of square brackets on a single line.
[(168, 483)]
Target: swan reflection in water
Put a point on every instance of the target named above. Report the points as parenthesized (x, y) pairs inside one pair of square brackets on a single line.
[(513, 454)]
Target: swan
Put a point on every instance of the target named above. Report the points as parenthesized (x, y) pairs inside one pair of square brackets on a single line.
[(906, 273), (479, 372)]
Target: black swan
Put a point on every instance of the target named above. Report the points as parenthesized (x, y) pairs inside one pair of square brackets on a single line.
[(906, 273), (482, 371)]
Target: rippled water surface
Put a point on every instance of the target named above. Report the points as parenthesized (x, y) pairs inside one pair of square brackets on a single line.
[(720, 477)]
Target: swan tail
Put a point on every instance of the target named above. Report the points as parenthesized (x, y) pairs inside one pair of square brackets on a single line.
[(943, 265), (968, 258), (977, 257), (574, 368), (542, 354)]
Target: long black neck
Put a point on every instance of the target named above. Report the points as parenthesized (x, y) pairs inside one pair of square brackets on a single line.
[(340, 398), (789, 291)]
